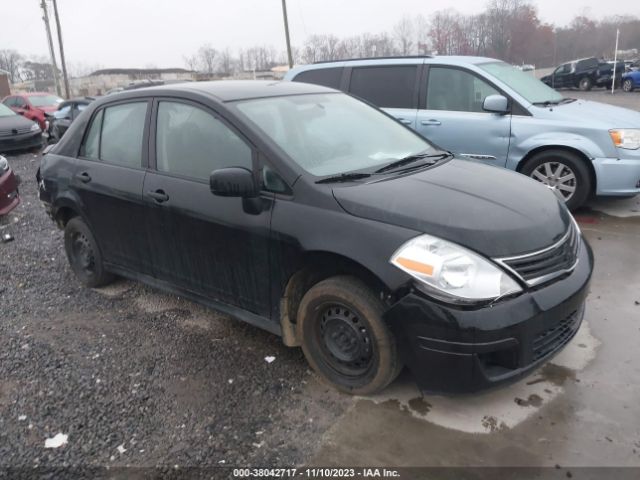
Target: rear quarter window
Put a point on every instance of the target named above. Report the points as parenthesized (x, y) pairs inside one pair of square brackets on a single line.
[(385, 87), (327, 77)]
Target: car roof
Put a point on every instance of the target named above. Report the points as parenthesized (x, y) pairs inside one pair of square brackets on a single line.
[(231, 90)]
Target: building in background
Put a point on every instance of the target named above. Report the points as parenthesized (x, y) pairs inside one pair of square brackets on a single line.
[(101, 81)]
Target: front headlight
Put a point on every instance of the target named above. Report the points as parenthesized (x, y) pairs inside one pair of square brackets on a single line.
[(451, 271), (626, 138), (4, 164), (35, 127)]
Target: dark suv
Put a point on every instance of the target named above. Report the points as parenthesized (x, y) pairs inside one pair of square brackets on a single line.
[(308, 213), (584, 74)]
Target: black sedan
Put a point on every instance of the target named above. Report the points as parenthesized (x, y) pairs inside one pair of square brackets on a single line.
[(17, 132), (62, 118), (315, 216)]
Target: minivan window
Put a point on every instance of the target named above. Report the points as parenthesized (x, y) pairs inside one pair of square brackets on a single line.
[(122, 132), (332, 133), (456, 90), (527, 86), (193, 143), (385, 87), (327, 77)]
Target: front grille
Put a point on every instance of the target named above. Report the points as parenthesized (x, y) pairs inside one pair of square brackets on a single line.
[(538, 267), (14, 131), (557, 336)]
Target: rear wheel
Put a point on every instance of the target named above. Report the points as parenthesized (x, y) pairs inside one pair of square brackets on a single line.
[(344, 337), (563, 172), (84, 255), (627, 85), (585, 84)]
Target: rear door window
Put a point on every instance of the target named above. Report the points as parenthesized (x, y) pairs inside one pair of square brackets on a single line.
[(115, 135), (386, 87), (327, 77)]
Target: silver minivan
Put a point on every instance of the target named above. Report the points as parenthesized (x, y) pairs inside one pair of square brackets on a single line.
[(486, 110)]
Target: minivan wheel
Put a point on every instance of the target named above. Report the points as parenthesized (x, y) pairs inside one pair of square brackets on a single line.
[(344, 337), (585, 84), (563, 172), (84, 255), (627, 85)]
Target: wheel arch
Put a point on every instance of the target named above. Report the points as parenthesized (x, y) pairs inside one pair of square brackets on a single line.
[(315, 267), (585, 158)]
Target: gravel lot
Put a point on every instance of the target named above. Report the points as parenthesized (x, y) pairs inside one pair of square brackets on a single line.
[(136, 377)]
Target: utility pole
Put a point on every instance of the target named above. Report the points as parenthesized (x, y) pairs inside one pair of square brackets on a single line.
[(62, 62), (615, 62), (286, 32), (54, 66)]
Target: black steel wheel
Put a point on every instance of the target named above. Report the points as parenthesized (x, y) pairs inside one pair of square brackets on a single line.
[(585, 84), (84, 255), (344, 337)]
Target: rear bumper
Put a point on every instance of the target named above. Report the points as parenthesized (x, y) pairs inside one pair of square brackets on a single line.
[(9, 197), (617, 176), (21, 142), (452, 350)]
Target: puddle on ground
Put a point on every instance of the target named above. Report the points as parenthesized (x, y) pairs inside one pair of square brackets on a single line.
[(503, 408)]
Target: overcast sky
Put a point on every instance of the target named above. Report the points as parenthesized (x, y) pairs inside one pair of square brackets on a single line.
[(137, 33)]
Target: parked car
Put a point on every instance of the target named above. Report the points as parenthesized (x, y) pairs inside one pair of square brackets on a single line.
[(62, 118), (584, 74), (17, 132), (315, 216), (36, 106), (631, 80), (9, 197), (485, 109)]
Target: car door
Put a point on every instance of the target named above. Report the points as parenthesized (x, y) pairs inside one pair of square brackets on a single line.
[(394, 88), (453, 118), (213, 246), (562, 76), (108, 181)]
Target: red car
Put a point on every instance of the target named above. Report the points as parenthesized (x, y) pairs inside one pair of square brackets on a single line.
[(8, 188), (34, 106)]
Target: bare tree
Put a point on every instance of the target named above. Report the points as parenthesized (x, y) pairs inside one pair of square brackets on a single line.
[(403, 33), (207, 57), (191, 61), (10, 61)]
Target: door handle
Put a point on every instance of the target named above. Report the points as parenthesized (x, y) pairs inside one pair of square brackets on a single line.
[(159, 196), (404, 120), (84, 177), (431, 121)]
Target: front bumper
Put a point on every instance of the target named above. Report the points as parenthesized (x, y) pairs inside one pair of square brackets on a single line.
[(9, 197), (617, 176), (457, 350), (25, 141)]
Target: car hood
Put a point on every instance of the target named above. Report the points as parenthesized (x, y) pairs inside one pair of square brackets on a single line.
[(14, 121), (608, 115), (491, 210)]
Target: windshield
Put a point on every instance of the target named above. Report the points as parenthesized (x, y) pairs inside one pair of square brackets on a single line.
[(44, 100), (333, 133), (522, 83), (6, 111)]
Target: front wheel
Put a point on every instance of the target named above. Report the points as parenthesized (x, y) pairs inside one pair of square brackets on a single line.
[(564, 173), (344, 337), (84, 255), (627, 85), (585, 84)]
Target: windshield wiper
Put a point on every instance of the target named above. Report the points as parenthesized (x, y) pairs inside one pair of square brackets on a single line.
[(547, 103), (344, 177), (414, 158)]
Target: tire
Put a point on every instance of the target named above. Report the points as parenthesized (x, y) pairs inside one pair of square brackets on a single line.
[(84, 255), (585, 84), (344, 337), (627, 85), (561, 163)]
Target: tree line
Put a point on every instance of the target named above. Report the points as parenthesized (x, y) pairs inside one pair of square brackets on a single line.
[(509, 30)]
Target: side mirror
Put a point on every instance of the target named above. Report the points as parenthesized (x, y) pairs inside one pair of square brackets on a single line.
[(233, 182), (496, 104)]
